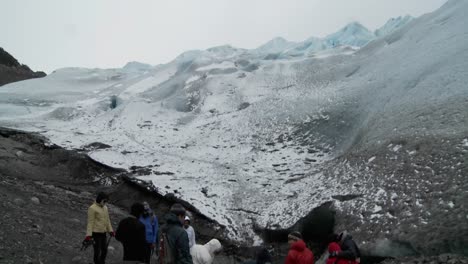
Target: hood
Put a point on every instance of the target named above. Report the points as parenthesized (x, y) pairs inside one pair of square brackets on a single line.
[(299, 245), (347, 237), (334, 247), (213, 246), (172, 219)]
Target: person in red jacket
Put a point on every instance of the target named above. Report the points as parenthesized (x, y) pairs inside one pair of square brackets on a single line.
[(298, 252), (333, 249), (349, 250)]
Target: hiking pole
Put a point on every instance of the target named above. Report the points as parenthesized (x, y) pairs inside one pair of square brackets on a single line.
[(108, 241)]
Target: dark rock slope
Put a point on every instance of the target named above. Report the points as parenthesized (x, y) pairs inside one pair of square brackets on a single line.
[(44, 195), (12, 71)]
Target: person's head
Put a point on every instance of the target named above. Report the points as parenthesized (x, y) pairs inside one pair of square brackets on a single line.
[(333, 238), (294, 237), (102, 198), (186, 221), (147, 211), (137, 210), (341, 237), (213, 246), (179, 211)]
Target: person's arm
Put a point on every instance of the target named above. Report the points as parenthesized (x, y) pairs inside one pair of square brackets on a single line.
[(91, 219), (349, 252), (183, 249), (109, 225), (155, 230), (193, 241), (119, 234)]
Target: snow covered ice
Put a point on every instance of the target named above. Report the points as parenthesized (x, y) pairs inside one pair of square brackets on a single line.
[(244, 135)]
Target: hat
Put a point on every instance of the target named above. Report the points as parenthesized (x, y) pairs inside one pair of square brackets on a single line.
[(177, 209), (295, 235)]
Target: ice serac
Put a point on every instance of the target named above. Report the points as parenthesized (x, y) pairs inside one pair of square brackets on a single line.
[(392, 25), (381, 131), (353, 34), (275, 45)]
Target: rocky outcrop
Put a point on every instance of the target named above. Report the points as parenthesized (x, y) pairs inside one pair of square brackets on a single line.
[(12, 71)]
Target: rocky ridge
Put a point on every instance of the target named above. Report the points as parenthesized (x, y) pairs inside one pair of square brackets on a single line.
[(12, 71)]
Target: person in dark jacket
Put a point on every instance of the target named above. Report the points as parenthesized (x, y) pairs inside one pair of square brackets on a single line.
[(349, 249), (263, 256), (131, 233), (178, 240)]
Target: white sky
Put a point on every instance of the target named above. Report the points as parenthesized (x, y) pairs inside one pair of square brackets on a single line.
[(50, 34)]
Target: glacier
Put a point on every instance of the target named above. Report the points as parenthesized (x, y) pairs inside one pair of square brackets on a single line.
[(249, 138)]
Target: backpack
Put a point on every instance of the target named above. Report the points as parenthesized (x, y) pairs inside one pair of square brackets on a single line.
[(166, 256)]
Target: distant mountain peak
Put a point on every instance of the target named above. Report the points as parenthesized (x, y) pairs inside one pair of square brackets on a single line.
[(136, 66), (353, 34), (275, 45), (355, 28)]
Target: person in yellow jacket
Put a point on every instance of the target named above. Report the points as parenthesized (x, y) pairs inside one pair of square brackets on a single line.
[(98, 226)]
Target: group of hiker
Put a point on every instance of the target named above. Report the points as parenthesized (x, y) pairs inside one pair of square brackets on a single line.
[(175, 242), (341, 250), (141, 238)]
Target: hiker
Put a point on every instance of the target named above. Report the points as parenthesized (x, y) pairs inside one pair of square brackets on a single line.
[(349, 249), (131, 233), (263, 256), (190, 232), (204, 254), (98, 226), (333, 249), (174, 244), (151, 227), (298, 252)]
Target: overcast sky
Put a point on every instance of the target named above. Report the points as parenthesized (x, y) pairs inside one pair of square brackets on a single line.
[(50, 34)]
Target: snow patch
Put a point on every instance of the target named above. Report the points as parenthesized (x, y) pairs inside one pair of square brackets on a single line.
[(222, 65), (397, 148), (451, 204), (465, 142)]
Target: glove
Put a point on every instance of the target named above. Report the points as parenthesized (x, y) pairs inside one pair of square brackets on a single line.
[(112, 234), (333, 254), (88, 238)]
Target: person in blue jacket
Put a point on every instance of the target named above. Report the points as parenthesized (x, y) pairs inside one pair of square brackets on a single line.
[(150, 221)]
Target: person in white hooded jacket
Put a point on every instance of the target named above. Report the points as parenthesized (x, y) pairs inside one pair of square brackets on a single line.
[(204, 254), (190, 232)]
